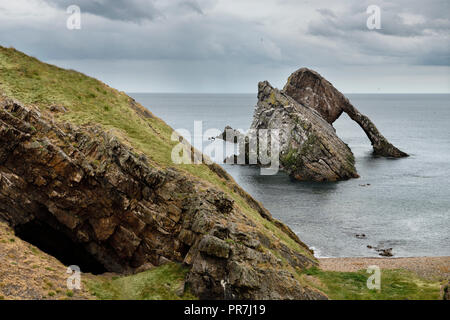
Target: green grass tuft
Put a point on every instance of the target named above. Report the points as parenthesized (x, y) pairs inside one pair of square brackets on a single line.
[(159, 283), (395, 285)]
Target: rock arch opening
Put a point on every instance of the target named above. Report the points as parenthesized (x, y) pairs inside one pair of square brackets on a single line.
[(58, 245)]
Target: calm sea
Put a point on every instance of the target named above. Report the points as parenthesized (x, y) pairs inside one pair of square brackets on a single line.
[(407, 204)]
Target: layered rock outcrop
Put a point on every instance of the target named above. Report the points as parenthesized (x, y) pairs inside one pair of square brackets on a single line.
[(309, 146), (312, 90), (128, 215)]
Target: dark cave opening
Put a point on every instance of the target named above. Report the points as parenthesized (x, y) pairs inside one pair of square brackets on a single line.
[(58, 245)]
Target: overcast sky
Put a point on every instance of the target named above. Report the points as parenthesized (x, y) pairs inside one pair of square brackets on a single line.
[(230, 45)]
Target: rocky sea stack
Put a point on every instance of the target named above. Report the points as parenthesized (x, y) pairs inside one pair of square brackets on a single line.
[(312, 90), (304, 112), (86, 173), (310, 148)]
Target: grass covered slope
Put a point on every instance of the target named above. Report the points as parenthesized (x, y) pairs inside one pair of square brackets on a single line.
[(24, 266), (396, 284), (69, 96), (86, 99), (90, 101), (162, 283)]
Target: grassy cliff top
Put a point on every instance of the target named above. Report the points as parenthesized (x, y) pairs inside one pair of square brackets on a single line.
[(89, 101)]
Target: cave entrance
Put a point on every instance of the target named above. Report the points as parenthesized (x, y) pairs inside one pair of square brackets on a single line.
[(58, 245)]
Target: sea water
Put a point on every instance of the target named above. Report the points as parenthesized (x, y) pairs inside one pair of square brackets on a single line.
[(402, 204)]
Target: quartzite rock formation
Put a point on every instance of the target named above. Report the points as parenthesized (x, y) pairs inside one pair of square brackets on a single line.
[(304, 112), (310, 148), (312, 90), (124, 215)]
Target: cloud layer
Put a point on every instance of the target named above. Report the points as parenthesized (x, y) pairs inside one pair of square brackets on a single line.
[(247, 35)]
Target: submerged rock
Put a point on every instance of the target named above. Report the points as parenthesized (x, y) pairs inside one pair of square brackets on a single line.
[(385, 252), (312, 90)]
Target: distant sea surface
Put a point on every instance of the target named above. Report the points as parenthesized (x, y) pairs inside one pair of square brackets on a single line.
[(398, 203)]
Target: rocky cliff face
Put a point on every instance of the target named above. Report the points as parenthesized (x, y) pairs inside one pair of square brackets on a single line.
[(312, 90), (310, 148), (87, 185)]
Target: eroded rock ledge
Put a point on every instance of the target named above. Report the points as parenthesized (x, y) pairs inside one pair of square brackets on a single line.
[(128, 215)]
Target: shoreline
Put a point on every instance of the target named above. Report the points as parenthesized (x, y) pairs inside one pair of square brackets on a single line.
[(427, 267)]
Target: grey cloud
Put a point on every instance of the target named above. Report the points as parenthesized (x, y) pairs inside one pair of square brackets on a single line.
[(196, 30), (423, 41), (192, 5), (198, 38), (129, 10), (326, 12), (124, 10), (354, 20)]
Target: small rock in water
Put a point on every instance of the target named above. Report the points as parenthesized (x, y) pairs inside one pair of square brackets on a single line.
[(385, 252), (382, 252)]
